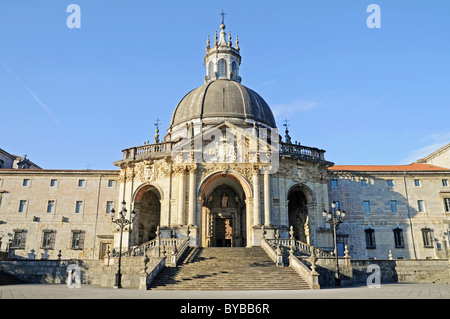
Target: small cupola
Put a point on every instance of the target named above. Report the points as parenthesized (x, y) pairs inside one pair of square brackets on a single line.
[(222, 60)]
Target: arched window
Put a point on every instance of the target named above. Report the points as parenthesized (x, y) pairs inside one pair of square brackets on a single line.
[(234, 70), (211, 70), (222, 69)]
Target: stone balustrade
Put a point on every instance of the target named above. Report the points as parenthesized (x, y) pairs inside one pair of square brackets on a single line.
[(300, 150), (148, 150)]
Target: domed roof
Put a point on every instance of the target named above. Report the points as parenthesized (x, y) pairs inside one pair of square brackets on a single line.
[(223, 98)]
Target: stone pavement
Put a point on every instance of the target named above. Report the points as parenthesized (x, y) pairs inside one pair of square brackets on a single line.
[(386, 291)]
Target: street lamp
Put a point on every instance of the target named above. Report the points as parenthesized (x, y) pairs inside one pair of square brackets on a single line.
[(334, 218), (121, 222)]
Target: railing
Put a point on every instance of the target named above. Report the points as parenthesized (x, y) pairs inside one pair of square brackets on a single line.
[(310, 276), (179, 252), (166, 147), (269, 249), (159, 247), (149, 149), (273, 248), (295, 149), (299, 246)]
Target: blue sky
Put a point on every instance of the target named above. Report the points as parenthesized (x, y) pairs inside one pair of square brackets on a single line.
[(70, 98)]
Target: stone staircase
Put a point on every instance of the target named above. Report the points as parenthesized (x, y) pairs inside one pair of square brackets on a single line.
[(228, 269)]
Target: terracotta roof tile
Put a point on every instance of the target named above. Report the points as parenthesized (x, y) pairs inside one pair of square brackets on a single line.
[(388, 168)]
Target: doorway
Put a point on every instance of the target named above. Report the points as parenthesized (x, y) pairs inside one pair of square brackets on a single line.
[(223, 231)]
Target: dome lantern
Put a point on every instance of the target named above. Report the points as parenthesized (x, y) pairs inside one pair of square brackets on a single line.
[(222, 60)]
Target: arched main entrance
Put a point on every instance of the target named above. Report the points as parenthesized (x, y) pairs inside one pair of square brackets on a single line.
[(298, 212), (147, 203), (223, 212)]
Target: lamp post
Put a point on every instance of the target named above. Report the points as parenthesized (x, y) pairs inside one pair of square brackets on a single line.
[(334, 218), (121, 222)]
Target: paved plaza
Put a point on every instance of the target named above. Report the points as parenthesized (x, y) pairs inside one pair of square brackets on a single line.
[(386, 291)]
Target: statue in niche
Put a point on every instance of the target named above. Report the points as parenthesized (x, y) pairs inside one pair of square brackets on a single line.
[(210, 199), (224, 200)]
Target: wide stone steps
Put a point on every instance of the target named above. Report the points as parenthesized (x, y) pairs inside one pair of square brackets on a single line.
[(228, 269)]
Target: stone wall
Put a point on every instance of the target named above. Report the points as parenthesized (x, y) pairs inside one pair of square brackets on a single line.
[(93, 272), (356, 271), (416, 270)]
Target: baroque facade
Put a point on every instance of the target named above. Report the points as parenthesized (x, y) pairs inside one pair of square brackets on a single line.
[(223, 174)]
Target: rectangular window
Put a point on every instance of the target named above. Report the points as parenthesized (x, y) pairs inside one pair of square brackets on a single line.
[(111, 183), (445, 182), (53, 182), (420, 206), (51, 206), (338, 205), (19, 239), (364, 182), (22, 206), (79, 207), (77, 239), (26, 182), (427, 239), (109, 206), (447, 204), (417, 182), (390, 183), (366, 206), (393, 206), (48, 239), (81, 183), (370, 238), (334, 183), (398, 238)]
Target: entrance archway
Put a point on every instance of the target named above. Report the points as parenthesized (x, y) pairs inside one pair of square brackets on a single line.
[(147, 203), (298, 200), (223, 212)]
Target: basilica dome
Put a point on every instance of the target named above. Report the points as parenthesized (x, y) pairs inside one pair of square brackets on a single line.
[(223, 99)]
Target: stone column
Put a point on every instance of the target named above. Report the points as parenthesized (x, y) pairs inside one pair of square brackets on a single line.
[(192, 193), (181, 170), (284, 218), (256, 198), (267, 199)]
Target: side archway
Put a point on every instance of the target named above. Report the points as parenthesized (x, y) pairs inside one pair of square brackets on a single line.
[(147, 203), (299, 198)]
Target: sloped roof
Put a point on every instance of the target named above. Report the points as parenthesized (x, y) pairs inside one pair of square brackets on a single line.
[(388, 168)]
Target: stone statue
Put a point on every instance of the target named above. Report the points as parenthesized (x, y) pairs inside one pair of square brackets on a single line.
[(306, 226), (224, 200)]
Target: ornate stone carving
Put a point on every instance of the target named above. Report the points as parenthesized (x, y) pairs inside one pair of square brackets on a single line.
[(127, 173), (149, 170)]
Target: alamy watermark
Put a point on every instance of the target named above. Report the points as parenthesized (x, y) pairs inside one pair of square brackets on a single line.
[(74, 19), (229, 145), (374, 279), (374, 19)]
